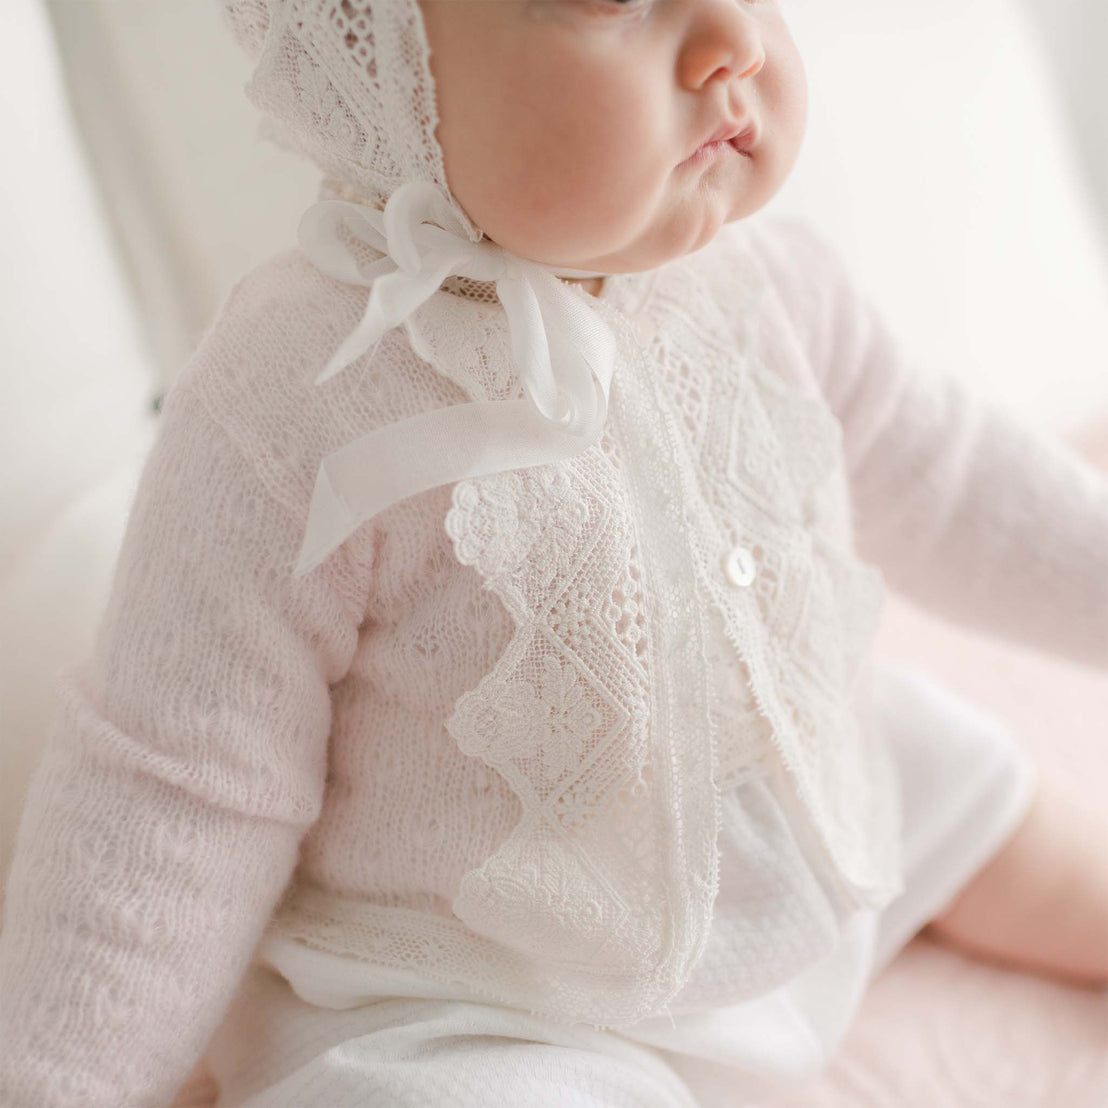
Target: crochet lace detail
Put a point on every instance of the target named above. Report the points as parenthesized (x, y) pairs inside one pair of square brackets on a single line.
[(347, 83), (562, 715), (568, 716)]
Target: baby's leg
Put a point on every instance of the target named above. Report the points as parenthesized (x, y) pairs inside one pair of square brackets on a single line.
[(1042, 902)]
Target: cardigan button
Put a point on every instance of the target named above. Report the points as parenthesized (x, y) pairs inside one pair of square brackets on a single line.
[(740, 567)]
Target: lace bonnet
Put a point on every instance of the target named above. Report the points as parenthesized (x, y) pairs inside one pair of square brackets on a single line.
[(348, 84)]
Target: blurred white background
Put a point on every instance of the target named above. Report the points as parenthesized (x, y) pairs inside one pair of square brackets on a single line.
[(957, 152)]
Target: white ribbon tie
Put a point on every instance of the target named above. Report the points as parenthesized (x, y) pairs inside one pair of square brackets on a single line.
[(564, 351)]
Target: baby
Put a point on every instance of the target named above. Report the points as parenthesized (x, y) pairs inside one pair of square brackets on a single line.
[(483, 710)]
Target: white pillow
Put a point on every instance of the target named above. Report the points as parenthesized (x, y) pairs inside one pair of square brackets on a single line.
[(939, 160)]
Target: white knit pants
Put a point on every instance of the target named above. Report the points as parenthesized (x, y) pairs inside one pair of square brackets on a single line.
[(966, 784)]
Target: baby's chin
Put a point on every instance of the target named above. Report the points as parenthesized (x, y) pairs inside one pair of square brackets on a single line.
[(685, 229), (619, 261)]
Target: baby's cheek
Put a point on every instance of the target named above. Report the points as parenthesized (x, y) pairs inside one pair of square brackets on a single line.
[(594, 209), (574, 173), (612, 171), (566, 188)]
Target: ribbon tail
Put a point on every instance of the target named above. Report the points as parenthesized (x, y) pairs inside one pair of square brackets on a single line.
[(530, 343), (329, 522), (582, 325), (368, 331), (393, 297), (582, 346), (363, 478)]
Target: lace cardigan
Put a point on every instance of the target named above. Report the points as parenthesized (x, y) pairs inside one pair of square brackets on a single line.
[(489, 735)]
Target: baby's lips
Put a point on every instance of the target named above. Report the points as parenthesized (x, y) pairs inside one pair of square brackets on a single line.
[(745, 141)]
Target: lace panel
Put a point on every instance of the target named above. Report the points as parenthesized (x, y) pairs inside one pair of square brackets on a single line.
[(547, 717)]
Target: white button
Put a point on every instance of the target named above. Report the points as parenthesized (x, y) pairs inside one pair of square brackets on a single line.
[(644, 328), (740, 567)]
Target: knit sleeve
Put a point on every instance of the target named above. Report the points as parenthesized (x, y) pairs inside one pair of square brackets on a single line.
[(186, 762), (967, 509)]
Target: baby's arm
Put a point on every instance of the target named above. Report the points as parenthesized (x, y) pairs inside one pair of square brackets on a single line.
[(966, 509), (188, 762)]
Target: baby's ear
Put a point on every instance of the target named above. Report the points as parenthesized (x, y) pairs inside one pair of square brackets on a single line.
[(248, 21)]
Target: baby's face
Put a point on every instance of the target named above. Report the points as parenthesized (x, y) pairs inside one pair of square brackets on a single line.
[(567, 125)]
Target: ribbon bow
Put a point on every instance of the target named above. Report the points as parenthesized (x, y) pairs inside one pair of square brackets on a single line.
[(559, 344)]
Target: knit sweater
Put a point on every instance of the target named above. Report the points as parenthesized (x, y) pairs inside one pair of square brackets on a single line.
[(488, 736)]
